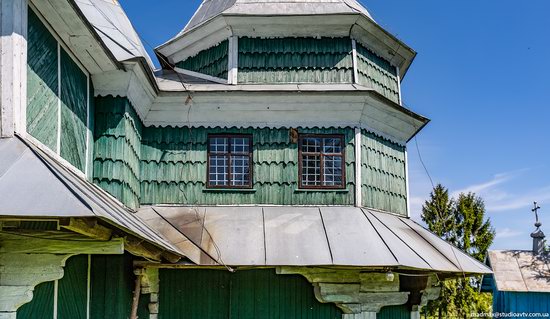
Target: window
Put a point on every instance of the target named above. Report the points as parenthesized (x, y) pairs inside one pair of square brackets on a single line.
[(229, 161), (322, 161)]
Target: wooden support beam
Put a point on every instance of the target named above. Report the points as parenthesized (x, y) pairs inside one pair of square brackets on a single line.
[(87, 227), (141, 248), (27, 245)]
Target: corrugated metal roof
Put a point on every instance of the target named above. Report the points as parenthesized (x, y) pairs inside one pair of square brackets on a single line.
[(311, 236), (520, 271), (114, 28), (34, 184), (212, 8)]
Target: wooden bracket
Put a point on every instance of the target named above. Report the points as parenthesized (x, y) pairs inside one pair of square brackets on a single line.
[(87, 227)]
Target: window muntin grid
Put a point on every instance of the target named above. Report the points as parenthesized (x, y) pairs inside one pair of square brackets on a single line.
[(322, 161), (229, 161)]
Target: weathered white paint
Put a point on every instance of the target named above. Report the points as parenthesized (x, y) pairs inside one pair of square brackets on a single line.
[(20, 273), (202, 76), (131, 83), (285, 109), (358, 163), (415, 314), (399, 87), (55, 298), (407, 182), (13, 67), (363, 315), (75, 35), (88, 286), (354, 57), (88, 128), (233, 60), (58, 144)]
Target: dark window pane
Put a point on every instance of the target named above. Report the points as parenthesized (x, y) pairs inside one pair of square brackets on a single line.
[(311, 145), (311, 170), (218, 145), (332, 171), (240, 145), (218, 170), (332, 146), (240, 171)]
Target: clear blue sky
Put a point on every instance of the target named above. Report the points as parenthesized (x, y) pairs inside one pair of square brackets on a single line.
[(481, 75)]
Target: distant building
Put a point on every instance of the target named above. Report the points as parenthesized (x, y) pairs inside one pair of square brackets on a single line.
[(521, 279)]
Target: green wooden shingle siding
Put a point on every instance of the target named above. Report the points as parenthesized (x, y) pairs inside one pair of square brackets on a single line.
[(42, 83), (246, 294), (212, 61), (377, 73), (295, 60), (58, 96), (174, 164), (74, 112), (117, 149), (383, 174)]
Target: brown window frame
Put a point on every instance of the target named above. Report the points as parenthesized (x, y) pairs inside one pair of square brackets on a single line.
[(229, 155), (301, 138)]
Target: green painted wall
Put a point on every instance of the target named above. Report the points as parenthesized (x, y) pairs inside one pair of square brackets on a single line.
[(174, 164), (41, 306), (112, 284), (394, 312), (383, 174), (212, 61), (111, 290), (56, 84), (72, 290), (117, 149), (42, 83), (246, 294), (295, 60), (377, 73)]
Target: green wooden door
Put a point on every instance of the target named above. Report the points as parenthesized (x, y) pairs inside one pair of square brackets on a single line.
[(250, 294)]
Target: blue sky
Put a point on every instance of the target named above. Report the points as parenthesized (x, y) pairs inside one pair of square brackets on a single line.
[(480, 75)]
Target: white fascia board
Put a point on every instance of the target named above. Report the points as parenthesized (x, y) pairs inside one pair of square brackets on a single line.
[(292, 109), (132, 83), (201, 76), (69, 26)]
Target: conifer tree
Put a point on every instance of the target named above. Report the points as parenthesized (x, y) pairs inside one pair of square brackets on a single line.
[(461, 222)]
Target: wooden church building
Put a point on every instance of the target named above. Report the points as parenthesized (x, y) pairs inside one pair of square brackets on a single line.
[(260, 173)]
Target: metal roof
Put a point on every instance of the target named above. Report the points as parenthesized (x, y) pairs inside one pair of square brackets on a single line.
[(520, 271), (115, 29), (308, 236), (35, 184), (212, 8)]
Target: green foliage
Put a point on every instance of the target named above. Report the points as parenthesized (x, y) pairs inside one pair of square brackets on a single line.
[(461, 222)]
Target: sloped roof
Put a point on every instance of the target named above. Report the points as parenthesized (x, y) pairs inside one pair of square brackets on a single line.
[(34, 184), (115, 29), (520, 271), (308, 236), (212, 8)]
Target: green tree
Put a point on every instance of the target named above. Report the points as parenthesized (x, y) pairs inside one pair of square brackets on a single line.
[(461, 222)]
